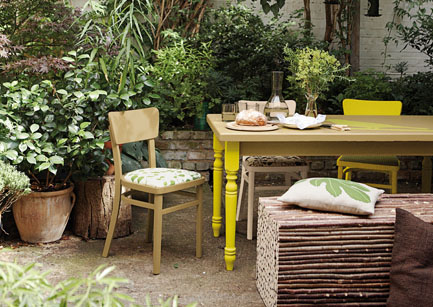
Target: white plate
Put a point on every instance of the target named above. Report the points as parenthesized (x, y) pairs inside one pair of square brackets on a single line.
[(293, 126), (234, 126)]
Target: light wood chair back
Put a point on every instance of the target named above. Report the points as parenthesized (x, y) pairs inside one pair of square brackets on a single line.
[(142, 125), (134, 125)]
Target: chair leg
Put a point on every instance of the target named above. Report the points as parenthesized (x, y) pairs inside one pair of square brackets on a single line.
[(157, 234), (251, 187), (304, 174), (149, 226), (288, 179), (340, 172), (348, 174), (199, 223), (241, 192), (393, 181), (113, 220)]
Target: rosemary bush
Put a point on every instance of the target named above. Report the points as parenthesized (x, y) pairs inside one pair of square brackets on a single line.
[(13, 185)]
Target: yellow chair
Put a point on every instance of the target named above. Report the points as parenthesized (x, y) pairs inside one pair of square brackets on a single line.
[(150, 183), (384, 164), (292, 167)]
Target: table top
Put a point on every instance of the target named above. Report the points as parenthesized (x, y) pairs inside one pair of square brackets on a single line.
[(405, 128)]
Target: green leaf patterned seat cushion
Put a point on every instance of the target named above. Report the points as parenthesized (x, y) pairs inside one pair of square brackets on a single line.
[(161, 177), (331, 194)]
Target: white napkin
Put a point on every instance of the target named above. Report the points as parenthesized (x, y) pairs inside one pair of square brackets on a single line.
[(301, 121)]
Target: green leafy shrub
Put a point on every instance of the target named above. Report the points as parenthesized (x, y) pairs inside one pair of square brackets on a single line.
[(38, 34), (331, 102), (27, 286), (49, 133), (94, 79), (415, 93), (370, 85), (13, 185), (122, 30), (246, 51), (180, 77)]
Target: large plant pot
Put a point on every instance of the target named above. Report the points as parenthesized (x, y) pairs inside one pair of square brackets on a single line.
[(41, 217)]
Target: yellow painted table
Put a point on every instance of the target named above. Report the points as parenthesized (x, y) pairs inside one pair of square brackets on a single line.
[(370, 135)]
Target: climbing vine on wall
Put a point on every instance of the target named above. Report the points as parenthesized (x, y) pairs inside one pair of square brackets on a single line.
[(417, 31)]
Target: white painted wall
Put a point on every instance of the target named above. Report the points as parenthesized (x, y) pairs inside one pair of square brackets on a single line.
[(372, 33)]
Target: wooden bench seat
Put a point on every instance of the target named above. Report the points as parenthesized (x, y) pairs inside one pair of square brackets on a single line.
[(312, 258)]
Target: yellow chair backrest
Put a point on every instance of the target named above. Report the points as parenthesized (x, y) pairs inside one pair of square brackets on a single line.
[(371, 107)]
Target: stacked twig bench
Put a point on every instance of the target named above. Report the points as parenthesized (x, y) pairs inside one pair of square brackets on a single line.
[(307, 258)]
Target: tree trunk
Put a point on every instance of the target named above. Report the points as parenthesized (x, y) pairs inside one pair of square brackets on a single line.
[(92, 212)]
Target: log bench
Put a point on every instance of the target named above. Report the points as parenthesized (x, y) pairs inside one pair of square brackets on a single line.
[(312, 258)]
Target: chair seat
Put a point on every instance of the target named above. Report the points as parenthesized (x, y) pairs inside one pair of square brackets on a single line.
[(161, 177), (276, 161), (377, 160)]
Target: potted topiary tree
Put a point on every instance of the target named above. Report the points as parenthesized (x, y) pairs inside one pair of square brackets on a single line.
[(47, 135), (313, 70)]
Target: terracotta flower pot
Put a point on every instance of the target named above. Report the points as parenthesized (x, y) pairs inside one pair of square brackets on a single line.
[(41, 217), (110, 170)]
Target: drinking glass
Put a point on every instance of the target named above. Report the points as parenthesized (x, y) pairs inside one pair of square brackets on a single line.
[(229, 111)]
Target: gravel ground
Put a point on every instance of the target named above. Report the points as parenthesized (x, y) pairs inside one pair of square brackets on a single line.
[(204, 280)]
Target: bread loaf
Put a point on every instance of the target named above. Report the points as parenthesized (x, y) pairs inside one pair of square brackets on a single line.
[(251, 118)]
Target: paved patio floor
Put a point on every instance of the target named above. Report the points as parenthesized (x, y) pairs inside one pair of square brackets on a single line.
[(204, 280)]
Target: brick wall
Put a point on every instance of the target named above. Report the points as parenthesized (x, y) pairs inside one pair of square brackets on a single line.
[(193, 150)]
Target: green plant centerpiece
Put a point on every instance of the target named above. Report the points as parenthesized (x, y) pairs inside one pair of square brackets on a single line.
[(312, 71)]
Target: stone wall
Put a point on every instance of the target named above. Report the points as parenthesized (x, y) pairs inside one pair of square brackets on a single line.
[(193, 150)]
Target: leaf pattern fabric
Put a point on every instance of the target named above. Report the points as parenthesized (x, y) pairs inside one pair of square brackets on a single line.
[(353, 189), (161, 177), (331, 194)]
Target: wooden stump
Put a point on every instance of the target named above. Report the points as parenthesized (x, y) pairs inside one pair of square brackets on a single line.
[(92, 211), (312, 258)]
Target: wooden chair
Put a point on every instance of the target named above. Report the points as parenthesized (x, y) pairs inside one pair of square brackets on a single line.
[(292, 167), (383, 164), (152, 182)]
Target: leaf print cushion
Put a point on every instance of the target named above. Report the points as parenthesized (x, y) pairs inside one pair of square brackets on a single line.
[(161, 177), (331, 194)]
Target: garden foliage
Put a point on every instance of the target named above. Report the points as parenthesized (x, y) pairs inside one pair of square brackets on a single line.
[(35, 36), (179, 74), (53, 126), (13, 185), (26, 285), (246, 51)]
